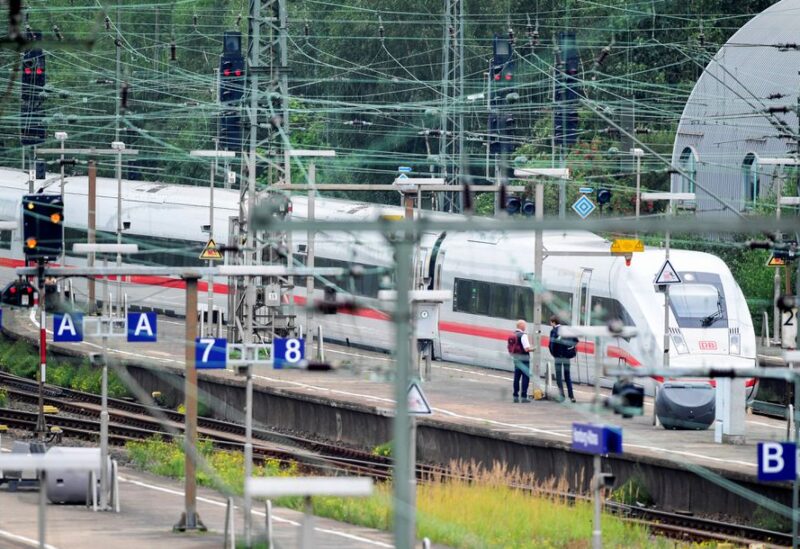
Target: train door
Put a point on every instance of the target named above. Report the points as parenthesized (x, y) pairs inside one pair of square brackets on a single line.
[(432, 276), (581, 365)]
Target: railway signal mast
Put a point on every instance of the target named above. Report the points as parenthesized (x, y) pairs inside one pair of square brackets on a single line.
[(255, 302), (43, 237)]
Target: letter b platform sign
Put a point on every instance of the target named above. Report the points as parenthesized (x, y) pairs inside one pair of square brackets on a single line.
[(776, 461)]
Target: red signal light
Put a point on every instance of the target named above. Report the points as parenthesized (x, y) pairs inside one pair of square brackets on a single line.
[(238, 72), (29, 289), (12, 290), (508, 76), (497, 76), (226, 72), (39, 70), (28, 70)]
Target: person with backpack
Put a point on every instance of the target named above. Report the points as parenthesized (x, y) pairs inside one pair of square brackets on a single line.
[(519, 347), (562, 349)]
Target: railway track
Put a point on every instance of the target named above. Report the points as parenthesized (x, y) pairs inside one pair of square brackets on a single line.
[(134, 421)]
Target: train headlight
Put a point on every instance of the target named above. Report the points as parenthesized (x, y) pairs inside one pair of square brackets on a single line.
[(733, 344), (680, 344)]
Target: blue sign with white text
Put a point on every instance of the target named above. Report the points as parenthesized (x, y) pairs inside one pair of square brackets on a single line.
[(288, 352), (142, 327), (210, 353), (776, 461), (68, 327), (596, 439)]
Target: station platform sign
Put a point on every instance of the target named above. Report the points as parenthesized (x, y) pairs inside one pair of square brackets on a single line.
[(596, 439)]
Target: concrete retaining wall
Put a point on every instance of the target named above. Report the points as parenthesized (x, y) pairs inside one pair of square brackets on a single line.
[(365, 428)]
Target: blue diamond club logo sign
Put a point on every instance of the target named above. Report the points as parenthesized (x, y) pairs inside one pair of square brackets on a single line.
[(583, 207)]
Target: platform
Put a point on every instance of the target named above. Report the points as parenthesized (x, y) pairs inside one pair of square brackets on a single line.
[(150, 506), (472, 407)]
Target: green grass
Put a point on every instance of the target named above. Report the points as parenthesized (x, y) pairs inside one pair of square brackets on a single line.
[(480, 513), (22, 359)]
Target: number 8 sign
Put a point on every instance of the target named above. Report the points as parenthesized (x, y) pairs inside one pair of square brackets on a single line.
[(287, 353)]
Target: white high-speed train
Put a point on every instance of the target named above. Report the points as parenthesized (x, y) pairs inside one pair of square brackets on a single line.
[(489, 275)]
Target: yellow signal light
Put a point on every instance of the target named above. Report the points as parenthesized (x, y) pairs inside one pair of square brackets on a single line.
[(31, 243), (30, 205), (55, 218)]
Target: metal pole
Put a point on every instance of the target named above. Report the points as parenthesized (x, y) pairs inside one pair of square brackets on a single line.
[(666, 299), (795, 485), (312, 180), (119, 225), (190, 519), (248, 455), (404, 534), (597, 534), (104, 426), (307, 530), (638, 185), (210, 302), (90, 232), (42, 508), (63, 244), (41, 424), (538, 283), (776, 279)]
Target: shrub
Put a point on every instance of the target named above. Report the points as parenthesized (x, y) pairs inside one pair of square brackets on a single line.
[(3, 397), (633, 491), (384, 449)]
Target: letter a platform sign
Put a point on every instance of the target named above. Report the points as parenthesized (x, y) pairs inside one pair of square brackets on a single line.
[(142, 327), (777, 461), (68, 327)]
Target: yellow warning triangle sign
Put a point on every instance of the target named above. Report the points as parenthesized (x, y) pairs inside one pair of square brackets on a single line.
[(776, 261), (211, 252)]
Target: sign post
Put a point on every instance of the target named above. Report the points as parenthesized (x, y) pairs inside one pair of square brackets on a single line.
[(598, 440)]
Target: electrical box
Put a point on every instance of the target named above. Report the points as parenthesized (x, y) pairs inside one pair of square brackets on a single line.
[(427, 321), (272, 295)]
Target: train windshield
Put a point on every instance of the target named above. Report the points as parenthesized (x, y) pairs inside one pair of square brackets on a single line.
[(698, 303)]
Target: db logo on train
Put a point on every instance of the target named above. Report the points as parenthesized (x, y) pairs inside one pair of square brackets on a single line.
[(708, 345)]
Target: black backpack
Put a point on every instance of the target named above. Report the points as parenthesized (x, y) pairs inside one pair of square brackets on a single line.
[(563, 347)]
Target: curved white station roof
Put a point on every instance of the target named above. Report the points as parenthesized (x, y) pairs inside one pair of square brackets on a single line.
[(736, 110)]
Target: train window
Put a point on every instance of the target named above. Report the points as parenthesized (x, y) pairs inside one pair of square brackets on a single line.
[(501, 297), (605, 309), (366, 284), (522, 304), (5, 240), (698, 306), (558, 304)]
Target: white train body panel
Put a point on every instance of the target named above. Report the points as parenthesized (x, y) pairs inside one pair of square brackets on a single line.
[(489, 274)]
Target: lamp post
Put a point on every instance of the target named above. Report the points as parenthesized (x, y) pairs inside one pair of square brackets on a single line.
[(310, 213), (119, 146), (638, 154), (215, 154), (780, 201), (561, 174), (117, 149), (119, 249), (62, 137), (672, 197)]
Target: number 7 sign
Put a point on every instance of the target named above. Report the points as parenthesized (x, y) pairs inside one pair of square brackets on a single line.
[(210, 353)]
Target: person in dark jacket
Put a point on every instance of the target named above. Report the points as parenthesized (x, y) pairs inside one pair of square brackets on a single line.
[(559, 349)]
